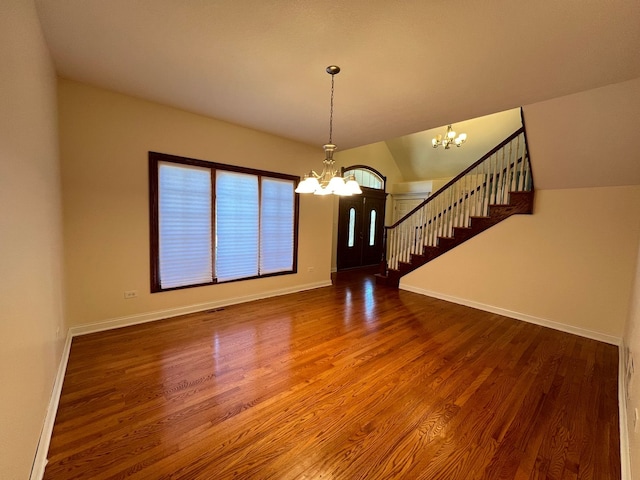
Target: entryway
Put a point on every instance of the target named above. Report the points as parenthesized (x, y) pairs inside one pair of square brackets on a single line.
[(361, 221)]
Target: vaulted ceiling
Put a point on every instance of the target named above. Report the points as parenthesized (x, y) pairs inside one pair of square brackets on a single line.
[(418, 160), (406, 66)]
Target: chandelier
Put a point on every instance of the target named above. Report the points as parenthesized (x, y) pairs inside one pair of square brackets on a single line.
[(449, 138), (329, 181)]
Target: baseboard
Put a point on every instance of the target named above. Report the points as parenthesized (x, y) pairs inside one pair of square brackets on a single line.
[(174, 312), (582, 332), (40, 460), (625, 459)]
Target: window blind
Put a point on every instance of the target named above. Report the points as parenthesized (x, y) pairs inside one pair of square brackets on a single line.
[(184, 223), (237, 228), (276, 225), (213, 223)]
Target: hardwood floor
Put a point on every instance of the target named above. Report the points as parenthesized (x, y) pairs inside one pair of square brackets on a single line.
[(354, 381)]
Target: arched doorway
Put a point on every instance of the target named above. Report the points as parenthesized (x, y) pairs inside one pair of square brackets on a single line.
[(361, 220)]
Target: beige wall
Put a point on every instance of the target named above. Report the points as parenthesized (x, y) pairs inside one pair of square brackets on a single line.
[(438, 183), (572, 262), (105, 138), (418, 160), (31, 308), (586, 139), (632, 341)]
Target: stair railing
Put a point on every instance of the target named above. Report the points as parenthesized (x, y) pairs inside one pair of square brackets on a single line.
[(488, 181)]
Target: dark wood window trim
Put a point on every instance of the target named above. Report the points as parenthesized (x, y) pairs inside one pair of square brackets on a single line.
[(154, 159)]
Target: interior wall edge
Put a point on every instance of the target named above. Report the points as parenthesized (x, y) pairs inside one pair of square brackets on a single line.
[(40, 460), (582, 332)]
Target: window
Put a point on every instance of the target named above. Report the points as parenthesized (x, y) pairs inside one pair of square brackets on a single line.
[(352, 227), (366, 177), (213, 223), (184, 239), (372, 229), (277, 218), (237, 225)]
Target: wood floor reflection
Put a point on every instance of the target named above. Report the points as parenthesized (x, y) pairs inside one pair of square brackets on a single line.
[(353, 381)]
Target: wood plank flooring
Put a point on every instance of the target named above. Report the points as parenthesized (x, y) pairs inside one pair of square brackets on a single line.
[(353, 381)]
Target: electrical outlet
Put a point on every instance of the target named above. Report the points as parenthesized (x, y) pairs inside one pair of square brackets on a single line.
[(130, 294), (310, 269)]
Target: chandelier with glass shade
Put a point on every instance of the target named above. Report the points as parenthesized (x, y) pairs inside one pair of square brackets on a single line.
[(329, 181), (449, 139)]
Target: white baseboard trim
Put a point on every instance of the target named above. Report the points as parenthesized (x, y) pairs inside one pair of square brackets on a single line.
[(582, 332), (625, 459), (40, 460), (174, 312)]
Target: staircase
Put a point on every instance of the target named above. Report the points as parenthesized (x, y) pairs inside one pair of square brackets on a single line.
[(495, 187)]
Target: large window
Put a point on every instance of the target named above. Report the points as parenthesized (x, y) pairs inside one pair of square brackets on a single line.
[(213, 223)]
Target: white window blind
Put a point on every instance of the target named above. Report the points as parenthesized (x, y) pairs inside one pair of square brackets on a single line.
[(276, 225), (216, 223), (184, 225), (237, 227)]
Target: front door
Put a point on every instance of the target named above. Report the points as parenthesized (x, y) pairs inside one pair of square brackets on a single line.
[(360, 229)]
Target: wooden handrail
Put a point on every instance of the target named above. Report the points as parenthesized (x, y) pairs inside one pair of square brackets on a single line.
[(459, 176), (467, 195)]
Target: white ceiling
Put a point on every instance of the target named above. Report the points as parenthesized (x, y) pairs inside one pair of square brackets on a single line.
[(407, 66)]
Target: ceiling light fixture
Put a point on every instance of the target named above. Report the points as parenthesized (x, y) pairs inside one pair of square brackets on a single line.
[(329, 181), (449, 138)]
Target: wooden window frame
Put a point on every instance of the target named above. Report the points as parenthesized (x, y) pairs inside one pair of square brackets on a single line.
[(154, 250)]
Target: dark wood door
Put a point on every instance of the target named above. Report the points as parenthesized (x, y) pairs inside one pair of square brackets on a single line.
[(360, 229)]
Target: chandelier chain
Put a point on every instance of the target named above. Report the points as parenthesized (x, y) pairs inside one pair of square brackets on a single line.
[(331, 112), (330, 180)]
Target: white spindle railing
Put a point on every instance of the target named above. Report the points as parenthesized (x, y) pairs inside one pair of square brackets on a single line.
[(487, 182)]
